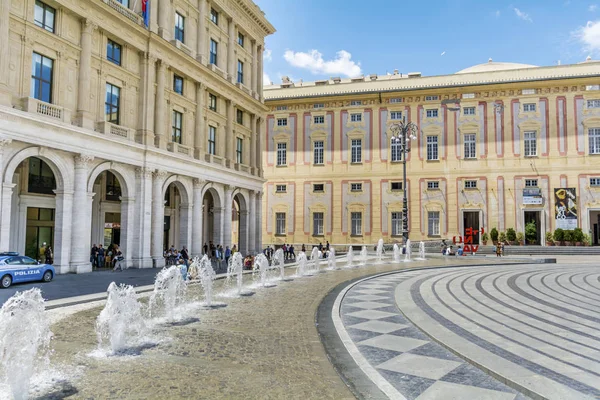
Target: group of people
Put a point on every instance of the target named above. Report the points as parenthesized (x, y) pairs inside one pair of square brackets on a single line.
[(449, 250), (290, 254), (46, 256), (217, 253), (107, 258), (175, 257)]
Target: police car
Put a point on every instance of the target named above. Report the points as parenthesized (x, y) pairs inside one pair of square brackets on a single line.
[(15, 268)]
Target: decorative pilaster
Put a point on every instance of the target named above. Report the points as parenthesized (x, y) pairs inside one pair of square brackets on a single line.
[(145, 130), (62, 230), (261, 49), (81, 217), (259, 243), (160, 139), (185, 222), (200, 128), (230, 52), (197, 219), (84, 117), (164, 12), (201, 42), (158, 218), (5, 204), (5, 95), (253, 149), (141, 234), (259, 163), (252, 247), (254, 83), (227, 214), (229, 136)]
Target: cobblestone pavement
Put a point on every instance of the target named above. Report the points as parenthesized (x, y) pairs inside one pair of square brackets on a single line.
[(534, 327), (263, 346)]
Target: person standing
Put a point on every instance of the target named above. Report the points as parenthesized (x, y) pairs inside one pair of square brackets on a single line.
[(185, 256), (291, 251), (100, 257), (285, 251), (327, 245), (205, 248), (94, 256), (227, 254), (48, 255), (42, 253)]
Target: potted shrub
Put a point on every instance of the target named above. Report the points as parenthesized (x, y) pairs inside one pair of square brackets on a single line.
[(567, 237), (520, 238), (511, 235), (587, 240), (485, 238), (494, 235), (549, 239), (578, 236), (502, 237), (531, 232), (559, 236)]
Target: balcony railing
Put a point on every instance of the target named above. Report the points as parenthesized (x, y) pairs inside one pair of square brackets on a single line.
[(214, 159), (242, 167), (53, 111), (218, 70), (110, 129), (244, 88), (121, 9), (178, 149)]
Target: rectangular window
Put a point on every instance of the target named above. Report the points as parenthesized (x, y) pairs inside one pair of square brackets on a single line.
[(214, 52), (593, 103), (177, 125), (239, 150), (470, 146), (212, 102), (241, 39), (280, 188), (433, 185), (125, 3), (178, 84), (356, 103), (240, 117), (470, 184), (318, 187), (240, 72), (396, 100), (281, 154), (469, 111), (529, 107), (319, 119), (396, 115), (113, 52), (356, 187), (179, 27), (41, 77), (44, 16), (112, 104), (319, 150), (318, 105), (432, 98), (396, 223), (595, 182), (280, 223), (433, 223), (281, 108), (356, 150), (432, 148), (396, 186), (530, 183), (212, 140), (214, 16), (356, 117), (318, 225), (594, 135), (432, 113), (530, 142), (396, 147), (356, 218), (281, 121)]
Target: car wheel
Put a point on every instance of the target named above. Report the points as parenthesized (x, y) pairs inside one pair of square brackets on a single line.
[(47, 276), (6, 281)]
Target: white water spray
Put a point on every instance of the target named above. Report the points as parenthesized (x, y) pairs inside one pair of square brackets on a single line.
[(207, 277), (302, 260), (363, 256), (236, 268), (261, 265), (421, 250), (350, 257), (169, 291), (408, 251), (396, 253), (315, 260), (278, 262), (331, 261), (380, 251)]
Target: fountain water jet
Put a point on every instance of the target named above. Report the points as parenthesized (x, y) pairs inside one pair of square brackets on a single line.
[(207, 277), (421, 251), (408, 251), (396, 253), (236, 268), (363, 256), (380, 251), (279, 262), (331, 261), (169, 291), (261, 265), (121, 321), (350, 257), (301, 260), (315, 260), (24, 331)]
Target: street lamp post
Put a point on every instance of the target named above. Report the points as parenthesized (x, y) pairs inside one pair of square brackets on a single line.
[(402, 133)]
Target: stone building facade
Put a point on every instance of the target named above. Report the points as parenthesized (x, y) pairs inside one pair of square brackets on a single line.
[(114, 132), (493, 143)]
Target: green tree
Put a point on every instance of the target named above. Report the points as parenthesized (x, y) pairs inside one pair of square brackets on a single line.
[(511, 235), (494, 234)]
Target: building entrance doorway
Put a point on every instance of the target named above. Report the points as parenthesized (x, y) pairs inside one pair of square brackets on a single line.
[(533, 216), (471, 220), (595, 227), (40, 230)]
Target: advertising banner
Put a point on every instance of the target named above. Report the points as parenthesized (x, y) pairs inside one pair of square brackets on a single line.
[(565, 209)]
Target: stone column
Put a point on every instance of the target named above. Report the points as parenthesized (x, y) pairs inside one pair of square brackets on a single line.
[(260, 71), (253, 136), (145, 129), (197, 223), (160, 139), (200, 128), (127, 211), (202, 32), (5, 204), (158, 218), (141, 234), (229, 136), (254, 83), (258, 234), (185, 225), (5, 93), (259, 165), (85, 68), (62, 230), (227, 212), (252, 247), (164, 26), (81, 217), (243, 234), (218, 225), (231, 69)]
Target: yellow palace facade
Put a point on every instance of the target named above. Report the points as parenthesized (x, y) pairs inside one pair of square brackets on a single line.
[(497, 145)]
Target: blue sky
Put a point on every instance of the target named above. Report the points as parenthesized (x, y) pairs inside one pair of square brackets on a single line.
[(324, 38)]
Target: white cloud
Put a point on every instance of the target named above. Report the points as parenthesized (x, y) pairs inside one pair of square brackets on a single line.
[(266, 79), (522, 15), (443, 52), (268, 55), (497, 13), (592, 7), (314, 62), (589, 36)]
